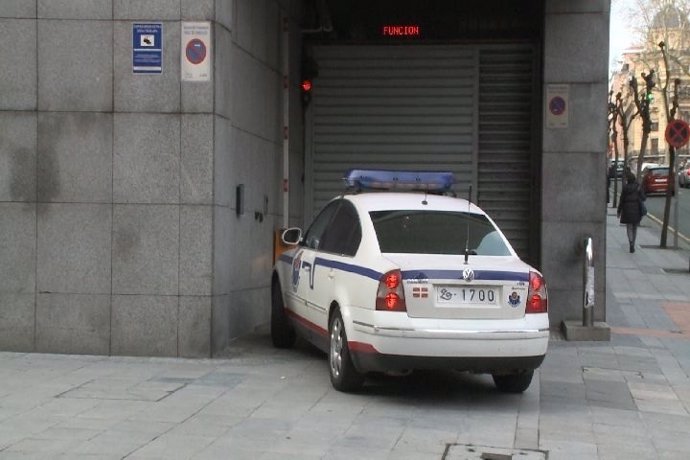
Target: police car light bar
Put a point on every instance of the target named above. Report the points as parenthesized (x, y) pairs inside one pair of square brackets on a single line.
[(378, 179)]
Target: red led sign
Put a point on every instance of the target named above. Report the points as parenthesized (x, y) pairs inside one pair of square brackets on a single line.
[(400, 31)]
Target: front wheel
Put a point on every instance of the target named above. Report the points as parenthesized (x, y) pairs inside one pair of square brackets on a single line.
[(513, 383), (344, 376)]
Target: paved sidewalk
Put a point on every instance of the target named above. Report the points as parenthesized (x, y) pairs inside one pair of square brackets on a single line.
[(624, 399)]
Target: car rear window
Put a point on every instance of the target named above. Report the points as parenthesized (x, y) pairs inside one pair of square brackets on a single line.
[(659, 172), (436, 232)]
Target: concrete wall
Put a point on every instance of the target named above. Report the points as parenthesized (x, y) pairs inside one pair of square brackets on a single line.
[(574, 158), (118, 233), (248, 152)]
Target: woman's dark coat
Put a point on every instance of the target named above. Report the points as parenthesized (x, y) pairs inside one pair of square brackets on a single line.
[(630, 204)]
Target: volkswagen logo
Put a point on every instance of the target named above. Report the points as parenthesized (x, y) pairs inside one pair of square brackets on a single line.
[(468, 274)]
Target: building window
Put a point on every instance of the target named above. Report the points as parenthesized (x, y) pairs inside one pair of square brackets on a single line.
[(655, 126), (655, 145)]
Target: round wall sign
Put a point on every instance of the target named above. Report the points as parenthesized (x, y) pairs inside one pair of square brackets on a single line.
[(196, 51)]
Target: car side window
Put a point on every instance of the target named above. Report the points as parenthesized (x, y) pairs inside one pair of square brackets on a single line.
[(312, 239), (344, 233)]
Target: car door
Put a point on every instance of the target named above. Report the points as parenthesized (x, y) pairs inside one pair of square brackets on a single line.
[(338, 246), (303, 269)]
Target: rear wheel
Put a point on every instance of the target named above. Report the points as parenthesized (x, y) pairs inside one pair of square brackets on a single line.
[(282, 332), (344, 376), (513, 383)]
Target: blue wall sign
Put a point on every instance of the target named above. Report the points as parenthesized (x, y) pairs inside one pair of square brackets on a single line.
[(147, 48)]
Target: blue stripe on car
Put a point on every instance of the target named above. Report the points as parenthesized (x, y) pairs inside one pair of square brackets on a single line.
[(493, 275), (357, 269)]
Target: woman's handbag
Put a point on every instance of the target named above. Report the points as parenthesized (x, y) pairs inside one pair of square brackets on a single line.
[(643, 208)]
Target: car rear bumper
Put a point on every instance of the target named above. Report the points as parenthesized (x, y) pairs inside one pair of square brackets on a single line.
[(476, 345), (374, 362), (650, 190)]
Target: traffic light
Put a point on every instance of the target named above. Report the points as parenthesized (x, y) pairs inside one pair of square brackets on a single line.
[(309, 71), (649, 97), (306, 85)]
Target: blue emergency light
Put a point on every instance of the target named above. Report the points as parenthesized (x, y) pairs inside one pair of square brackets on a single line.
[(380, 179)]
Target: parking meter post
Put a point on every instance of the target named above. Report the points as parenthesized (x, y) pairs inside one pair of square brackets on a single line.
[(588, 285), (587, 328)]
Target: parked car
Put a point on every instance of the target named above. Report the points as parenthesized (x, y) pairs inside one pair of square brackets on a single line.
[(655, 180), (393, 276), (684, 175)]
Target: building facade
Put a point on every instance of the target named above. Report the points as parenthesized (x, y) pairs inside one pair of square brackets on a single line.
[(138, 211)]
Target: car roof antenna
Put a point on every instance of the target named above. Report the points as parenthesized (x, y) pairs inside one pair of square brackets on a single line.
[(467, 239)]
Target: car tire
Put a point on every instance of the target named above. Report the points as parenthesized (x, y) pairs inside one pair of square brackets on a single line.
[(513, 383), (282, 332), (344, 376)]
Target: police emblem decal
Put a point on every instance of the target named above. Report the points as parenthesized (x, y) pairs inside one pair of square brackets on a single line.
[(296, 265), (468, 274), (514, 299)]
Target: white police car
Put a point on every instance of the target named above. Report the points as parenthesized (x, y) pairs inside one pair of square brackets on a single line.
[(397, 281)]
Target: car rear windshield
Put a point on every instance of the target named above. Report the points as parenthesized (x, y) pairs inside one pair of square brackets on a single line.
[(659, 172), (437, 232)]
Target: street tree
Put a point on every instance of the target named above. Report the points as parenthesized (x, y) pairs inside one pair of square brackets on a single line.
[(663, 28), (613, 114), (643, 102), (620, 116), (671, 109)]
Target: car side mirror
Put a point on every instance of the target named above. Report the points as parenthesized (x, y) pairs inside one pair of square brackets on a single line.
[(291, 236)]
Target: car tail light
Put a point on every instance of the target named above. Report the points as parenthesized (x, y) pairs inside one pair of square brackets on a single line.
[(390, 295), (536, 294)]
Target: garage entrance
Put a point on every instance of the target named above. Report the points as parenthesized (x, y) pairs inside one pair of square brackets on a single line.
[(469, 109)]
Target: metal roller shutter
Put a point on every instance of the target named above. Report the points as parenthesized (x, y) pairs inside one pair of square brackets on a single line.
[(507, 164), (420, 107)]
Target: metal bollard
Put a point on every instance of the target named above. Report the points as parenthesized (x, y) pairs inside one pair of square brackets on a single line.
[(588, 283)]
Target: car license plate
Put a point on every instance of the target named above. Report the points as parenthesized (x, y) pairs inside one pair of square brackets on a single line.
[(456, 295)]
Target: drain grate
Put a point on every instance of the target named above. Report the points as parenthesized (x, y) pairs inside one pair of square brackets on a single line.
[(474, 452)]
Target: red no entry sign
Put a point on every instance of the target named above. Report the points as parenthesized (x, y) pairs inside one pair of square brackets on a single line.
[(677, 133)]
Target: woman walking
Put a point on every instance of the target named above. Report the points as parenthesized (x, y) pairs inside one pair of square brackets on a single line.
[(630, 207)]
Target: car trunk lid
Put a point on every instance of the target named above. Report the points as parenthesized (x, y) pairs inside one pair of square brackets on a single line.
[(444, 287)]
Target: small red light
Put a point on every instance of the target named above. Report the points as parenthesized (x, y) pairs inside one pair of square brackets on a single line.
[(534, 304), (390, 295), (392, 301), (392, 280), (537, 299), (535, 282), (306, 85)]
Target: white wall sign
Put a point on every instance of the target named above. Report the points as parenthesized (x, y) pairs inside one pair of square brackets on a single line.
[(557, 106), (195, 56)]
